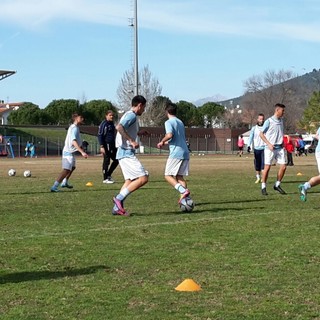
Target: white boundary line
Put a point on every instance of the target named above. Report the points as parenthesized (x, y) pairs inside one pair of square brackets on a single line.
[(61, 234)]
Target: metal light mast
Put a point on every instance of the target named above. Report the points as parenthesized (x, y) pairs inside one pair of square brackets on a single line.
[(136, 72)]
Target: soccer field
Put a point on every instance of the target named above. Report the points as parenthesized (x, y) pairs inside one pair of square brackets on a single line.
[(64, 256)]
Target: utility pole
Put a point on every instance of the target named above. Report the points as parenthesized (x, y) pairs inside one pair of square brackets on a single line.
[(136, 72)]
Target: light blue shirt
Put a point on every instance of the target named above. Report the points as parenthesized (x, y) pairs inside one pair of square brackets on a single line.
[(273, 130), (72, 134), (130, 123), (258, 143), (177, 144)]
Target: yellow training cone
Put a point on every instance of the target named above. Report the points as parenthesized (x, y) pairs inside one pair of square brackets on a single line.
[(299, 174), (188, 285), (89, 184)]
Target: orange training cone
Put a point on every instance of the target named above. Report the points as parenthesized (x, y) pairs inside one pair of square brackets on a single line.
[(89, 184), (188, 285), (299, 174)]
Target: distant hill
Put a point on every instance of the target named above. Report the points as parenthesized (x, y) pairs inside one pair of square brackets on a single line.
[(306, 84)]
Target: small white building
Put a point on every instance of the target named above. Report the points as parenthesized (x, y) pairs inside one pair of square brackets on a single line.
[(6, 109)]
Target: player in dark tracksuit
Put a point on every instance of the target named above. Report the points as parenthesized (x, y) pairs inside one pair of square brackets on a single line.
[(106, 137)]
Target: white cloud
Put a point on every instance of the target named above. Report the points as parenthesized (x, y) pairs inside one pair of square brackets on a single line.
[(268, 19)]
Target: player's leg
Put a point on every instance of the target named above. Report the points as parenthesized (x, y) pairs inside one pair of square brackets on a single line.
[(113, 165), (268, 158), (257, 164), (281, 160), (105, 165), (135, 177), (68, 165), (303, 188), (175, 170)]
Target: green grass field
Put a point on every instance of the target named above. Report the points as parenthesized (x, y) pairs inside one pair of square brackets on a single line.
[(64, 256)]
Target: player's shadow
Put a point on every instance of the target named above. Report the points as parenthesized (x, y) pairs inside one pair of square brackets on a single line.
[(18, 277)]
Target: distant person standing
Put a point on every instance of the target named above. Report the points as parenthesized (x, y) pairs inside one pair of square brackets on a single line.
[(314, 181), (240, 145), (258, 146), (289, 146), (72, 144), (178, 161), (27, 149), (107, 137), (272, 135), (135, 176)]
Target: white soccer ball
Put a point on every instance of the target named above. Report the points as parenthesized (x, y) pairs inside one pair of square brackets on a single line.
[(186, 205), (27, 174), (12, 172)]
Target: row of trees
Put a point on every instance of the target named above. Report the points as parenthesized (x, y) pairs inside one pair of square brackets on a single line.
[(59, 112), (261, 93)]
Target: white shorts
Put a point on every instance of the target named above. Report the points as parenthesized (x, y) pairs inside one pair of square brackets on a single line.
[(132, 168), (318, 160), (277, 155), (175, 167), (68, 162)]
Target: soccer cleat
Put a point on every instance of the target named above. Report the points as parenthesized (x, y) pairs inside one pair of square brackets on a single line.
[(54, 189), (264, 192), (120, 213), (184, 195), (66, 185), (258, 180), (303, 193), (119, 204), (279, 189), (108, 180)]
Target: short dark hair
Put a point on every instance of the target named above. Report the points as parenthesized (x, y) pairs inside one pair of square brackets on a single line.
[(279, 105), (260, 115), (171, 108), (109, 111), (75, 115), (138, 99)]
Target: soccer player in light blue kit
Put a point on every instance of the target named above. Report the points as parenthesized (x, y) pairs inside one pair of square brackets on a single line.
[(134, 174), (178, 161), (258, 146), (314, 181), (272, 134), (72, 144)]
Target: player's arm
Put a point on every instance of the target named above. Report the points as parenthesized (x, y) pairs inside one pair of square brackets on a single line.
[(120, 128), (78, 147), (165, 140), (101, 136)]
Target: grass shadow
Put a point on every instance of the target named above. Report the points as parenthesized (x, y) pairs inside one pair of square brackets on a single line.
[(18, 277)]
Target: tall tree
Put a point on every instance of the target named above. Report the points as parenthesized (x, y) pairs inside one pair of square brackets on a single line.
[(156, 116), (95, 111), (311, 116), (60, 111), (211, 114), (188, 113), (264, 91), (28, 114), (149, 87)]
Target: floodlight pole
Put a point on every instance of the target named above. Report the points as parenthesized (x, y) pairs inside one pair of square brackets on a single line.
[(136, 72)]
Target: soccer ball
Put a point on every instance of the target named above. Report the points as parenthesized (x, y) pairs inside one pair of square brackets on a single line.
[(12, 172), (186, 205), (27, 174)]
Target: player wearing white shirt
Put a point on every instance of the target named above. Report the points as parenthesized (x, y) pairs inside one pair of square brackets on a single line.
[(134, 174), (258, 146), (272, 134), (71, 145)]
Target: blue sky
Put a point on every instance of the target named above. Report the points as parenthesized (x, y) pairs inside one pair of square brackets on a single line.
[(80, 49)]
